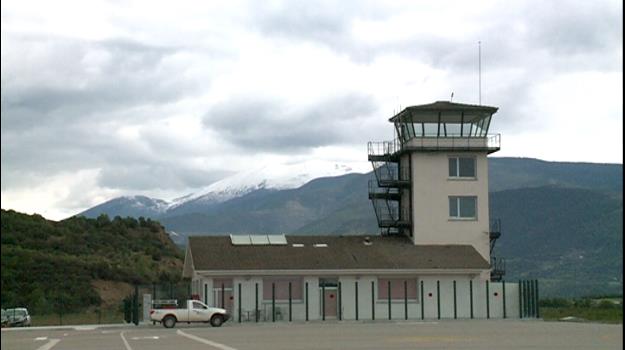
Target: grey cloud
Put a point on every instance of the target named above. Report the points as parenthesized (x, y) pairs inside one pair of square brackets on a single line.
[(578, 28), (321, 21), (166, 175), (557, 35), (131, 74), (152, 162), (270, 126), (306, 19), (516, 112), (59, 111)]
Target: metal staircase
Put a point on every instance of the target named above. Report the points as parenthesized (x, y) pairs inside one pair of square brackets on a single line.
[(385, 191), (497, 269), (497, 265)]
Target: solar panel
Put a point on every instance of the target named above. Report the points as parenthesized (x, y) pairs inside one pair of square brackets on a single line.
[(240, 239), (259, 239), (277, 239)]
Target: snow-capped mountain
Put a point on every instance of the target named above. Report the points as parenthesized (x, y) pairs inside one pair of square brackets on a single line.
[(274, 177), (268, 177), (134, 206)]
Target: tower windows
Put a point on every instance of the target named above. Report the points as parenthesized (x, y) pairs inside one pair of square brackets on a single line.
[(463, 207), (462, 167)]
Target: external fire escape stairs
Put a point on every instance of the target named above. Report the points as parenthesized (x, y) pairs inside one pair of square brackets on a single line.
[(497, 265), (385, 191)]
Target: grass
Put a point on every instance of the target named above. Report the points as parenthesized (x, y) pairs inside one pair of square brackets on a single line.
[(106, 317), (587, 313)]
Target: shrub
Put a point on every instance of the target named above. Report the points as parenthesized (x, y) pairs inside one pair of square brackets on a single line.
[(555, 302)]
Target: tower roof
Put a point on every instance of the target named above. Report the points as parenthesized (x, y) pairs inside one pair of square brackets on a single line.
[(450, 112)]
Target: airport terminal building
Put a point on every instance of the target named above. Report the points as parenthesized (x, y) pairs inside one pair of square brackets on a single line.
[(433, 258)]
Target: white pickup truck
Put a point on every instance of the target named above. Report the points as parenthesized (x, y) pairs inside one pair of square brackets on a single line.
[(196, 311)]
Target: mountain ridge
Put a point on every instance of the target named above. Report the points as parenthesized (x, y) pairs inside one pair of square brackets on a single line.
[(504, 173)]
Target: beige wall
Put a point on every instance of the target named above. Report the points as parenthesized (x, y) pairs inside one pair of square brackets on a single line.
[(431, 190)]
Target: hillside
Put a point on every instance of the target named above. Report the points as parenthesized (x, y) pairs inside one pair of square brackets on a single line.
[(510, 173), (46, 263), (285, 211), (570, 239)]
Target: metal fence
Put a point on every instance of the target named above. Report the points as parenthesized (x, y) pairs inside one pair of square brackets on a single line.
[(355, 300), (136, 305), (62, 315)]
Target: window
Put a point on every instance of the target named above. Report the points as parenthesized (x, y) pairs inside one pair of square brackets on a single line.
[(461, 167), (463, 207), (199, 306), (282, 288), (397, 288), (223, 293)]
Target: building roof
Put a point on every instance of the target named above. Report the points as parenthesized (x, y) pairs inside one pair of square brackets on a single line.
[(450, 112), (217, 253)]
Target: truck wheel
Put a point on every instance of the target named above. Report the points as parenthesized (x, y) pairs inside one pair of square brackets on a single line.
[(217, 321), (169, 322)]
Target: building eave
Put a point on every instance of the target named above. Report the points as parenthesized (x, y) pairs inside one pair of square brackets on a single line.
[(188, 267), (339, 272)]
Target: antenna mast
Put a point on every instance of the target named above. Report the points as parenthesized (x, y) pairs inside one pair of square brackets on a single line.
[(479, 65)]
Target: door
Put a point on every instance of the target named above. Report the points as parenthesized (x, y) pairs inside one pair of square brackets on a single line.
[(198, 312), (330, 301), (328, 290), (223, 294)]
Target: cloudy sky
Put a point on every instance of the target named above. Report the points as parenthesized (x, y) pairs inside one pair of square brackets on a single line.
[(108, 98)]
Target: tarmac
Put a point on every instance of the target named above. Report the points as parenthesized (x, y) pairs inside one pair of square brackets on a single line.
[(440, 334)]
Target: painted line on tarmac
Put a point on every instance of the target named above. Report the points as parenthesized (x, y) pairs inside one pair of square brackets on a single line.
[(148, 337), (121, 334), (205, 341), (49, 345)]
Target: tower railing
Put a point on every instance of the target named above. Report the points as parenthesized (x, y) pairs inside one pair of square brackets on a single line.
[(383, 148), (489, 143)]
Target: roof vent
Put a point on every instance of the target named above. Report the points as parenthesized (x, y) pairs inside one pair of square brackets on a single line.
[(367, 241), (298, 245), (320, 245)]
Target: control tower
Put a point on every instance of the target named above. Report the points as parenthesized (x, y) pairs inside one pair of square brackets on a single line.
[(431, 180)]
